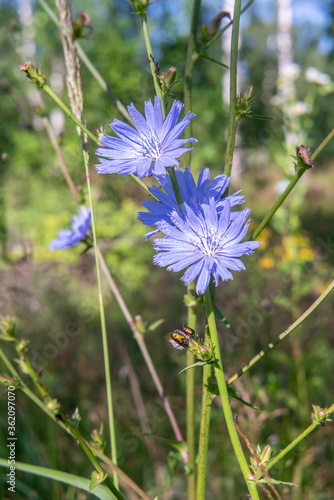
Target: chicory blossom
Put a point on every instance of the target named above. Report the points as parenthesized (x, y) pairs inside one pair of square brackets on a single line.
[(148, 149), (80, 228), (192, 194), (205, 242)]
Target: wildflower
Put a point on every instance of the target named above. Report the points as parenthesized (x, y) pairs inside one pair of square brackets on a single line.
[(204, 241), (148, 150), (80, 228), (192, 194)]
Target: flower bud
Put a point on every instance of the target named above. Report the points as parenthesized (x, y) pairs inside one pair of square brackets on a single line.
[(7, 328), (33, 74)]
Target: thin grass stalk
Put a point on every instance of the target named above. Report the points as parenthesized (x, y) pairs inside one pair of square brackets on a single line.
[(219, 373), (151, 60), (284, 334), (233, 119), (103, 327)]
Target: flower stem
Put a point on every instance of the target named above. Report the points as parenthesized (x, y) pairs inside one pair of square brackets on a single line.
[(103, 324), (190, 402), (290, 187), (219, 372), (294, 325), (204, 432), (151, 60), (233, 119), (295, 442)]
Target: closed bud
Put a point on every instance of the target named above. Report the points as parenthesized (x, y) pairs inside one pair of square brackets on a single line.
[(266, 454), (53, 406), (33, 74), (139, 6)]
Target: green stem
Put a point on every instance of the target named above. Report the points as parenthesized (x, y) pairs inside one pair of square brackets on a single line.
[(68, 112), (294, 443), (149, 50), (233, 119), (60, 419), (219, 372), (103, 326), (204, 432), (190, 402), (294, 325), (290, 187), (90, 66)]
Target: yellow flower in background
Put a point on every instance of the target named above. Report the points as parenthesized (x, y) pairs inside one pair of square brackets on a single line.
[(267, 262), (306, 254)]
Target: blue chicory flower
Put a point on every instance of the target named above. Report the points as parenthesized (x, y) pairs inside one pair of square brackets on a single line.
[(80, 228), (148, 150), (192, 194), (206, 242)]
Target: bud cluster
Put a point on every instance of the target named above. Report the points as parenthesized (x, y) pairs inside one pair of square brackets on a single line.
[(187, 339), (244, 102), (139, 6), (320, 415), (33, 74)]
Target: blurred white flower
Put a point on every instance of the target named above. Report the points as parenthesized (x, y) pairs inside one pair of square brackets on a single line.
[(281, 186), (313, 75), (276, 100), (291, 71), (300, 108)]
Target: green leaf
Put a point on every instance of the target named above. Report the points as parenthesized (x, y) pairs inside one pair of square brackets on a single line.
[(258, 117), (97, 479), (154, 325), (204, 56), (274, 481), (233, 394), (199, 363), (81, 483), (180, 446), (222, 318)]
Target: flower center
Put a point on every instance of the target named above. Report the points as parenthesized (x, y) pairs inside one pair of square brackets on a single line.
[(209, 244), (150, 146)]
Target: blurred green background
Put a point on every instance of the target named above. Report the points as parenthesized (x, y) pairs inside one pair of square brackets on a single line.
[(54, 296)]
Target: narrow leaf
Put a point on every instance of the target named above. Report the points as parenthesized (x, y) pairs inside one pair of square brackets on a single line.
[(180, 446), (199, 363), (273, 481), (204, 56), (233, 394), (81, 483), (222, 318)]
